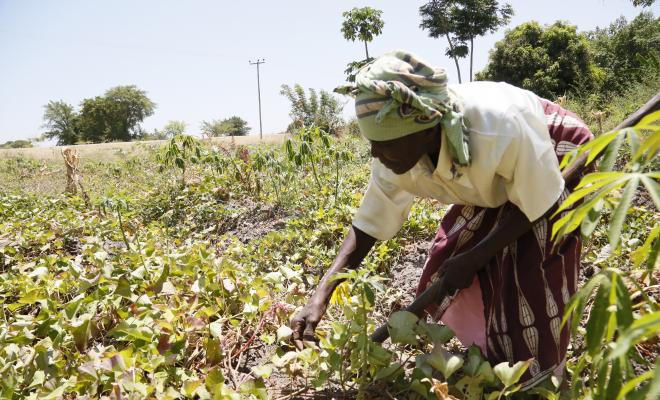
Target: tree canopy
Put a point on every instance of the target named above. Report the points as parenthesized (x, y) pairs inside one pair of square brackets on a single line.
[(16, 144), (232, 126), (546, 60), (362, 24), (460, 21), (626, 51), (60, 122), (115, 116), (318, 109)]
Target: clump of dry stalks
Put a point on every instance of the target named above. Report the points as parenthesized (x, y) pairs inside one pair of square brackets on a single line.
[(73, 177)]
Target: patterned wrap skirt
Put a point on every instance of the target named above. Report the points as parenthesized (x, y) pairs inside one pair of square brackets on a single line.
[(514, 307)]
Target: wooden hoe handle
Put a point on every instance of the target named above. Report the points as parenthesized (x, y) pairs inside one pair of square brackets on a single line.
[(438, 290)]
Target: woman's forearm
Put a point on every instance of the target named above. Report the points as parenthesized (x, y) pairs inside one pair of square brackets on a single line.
[(513, 225), (353, 250)]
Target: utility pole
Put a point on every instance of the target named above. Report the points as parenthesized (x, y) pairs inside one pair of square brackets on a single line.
[(257, 63)]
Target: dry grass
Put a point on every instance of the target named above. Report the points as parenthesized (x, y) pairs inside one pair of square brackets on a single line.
[(114, 151)]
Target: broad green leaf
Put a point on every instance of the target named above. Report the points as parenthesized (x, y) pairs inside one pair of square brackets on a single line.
[(612, 151), (645, 327), (57, 393), (262, 371), (616, 223), (474, 360), (590, 222), (574, 218), (123, 287), (650, 145), (598, 319), (213, 378), (284, 332), (584, 191), (215, 328), (624, 312), (654, 386), (510, 375), (471, 387), (158, 285), (632, 384), (389, 372), (439, 334), (214, 354), (401, 325), (443, 361), (644, 251), (82, 332), (654, 190), (614, 382)]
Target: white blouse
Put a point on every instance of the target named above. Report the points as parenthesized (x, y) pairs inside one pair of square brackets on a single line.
[(513, 159)]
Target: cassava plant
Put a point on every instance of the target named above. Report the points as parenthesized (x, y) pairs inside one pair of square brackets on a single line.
[(617, 326), (181, 151)]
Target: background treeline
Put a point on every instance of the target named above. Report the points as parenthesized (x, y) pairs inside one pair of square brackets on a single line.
[(117, 116)]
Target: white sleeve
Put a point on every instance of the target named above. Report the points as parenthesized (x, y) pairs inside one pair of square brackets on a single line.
[(533, 181), (384, 207)]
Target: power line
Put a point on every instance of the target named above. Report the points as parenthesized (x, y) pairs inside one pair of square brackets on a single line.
[(257, 63)]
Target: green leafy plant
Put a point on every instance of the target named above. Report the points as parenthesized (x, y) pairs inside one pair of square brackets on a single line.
[(181, 151), (616, 325)]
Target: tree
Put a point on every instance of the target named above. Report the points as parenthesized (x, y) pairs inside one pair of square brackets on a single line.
[(643, 3), (436, 19), (232, 126), (16, 144), (115, 116), (318, 109), (547, 60), (460, 21), (173, 128), (363, 24), (626, 51), (60, 120)]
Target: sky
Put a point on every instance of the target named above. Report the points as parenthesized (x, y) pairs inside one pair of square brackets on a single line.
[(192, 57)]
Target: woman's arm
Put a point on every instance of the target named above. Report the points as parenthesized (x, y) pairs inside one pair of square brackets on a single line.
[(353, 250), (461, 269)]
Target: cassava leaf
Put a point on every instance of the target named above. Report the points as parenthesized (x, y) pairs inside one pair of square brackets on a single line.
[(620, 212), (511, 374)]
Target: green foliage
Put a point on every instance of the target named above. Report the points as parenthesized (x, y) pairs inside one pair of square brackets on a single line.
[(181, 151), (643, 3), (173, 128), (320, 109), (60, 119), (626, 52), (362, 24), (602, 188), (460, 21), (16, 144), (115, 116), (549, 61), (161, 290), (232, 126), (614, 326)]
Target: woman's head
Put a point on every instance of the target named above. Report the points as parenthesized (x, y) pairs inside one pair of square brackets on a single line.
[(401, 154), (398, 95)]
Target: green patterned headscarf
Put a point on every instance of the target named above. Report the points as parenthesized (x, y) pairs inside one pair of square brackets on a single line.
[(398, 94)]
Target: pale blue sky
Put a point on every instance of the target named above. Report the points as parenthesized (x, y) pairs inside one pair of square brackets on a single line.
[(192, 56)]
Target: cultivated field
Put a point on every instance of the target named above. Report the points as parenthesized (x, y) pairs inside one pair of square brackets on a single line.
[(177, 276)]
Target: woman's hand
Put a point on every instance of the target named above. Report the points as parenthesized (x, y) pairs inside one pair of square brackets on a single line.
[(304, 323)]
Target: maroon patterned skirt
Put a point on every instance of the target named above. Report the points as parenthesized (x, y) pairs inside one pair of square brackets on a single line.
[(513, 309)]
